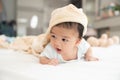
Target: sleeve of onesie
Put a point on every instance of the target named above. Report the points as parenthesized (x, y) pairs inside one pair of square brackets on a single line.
[(48, 52), (84, 45)]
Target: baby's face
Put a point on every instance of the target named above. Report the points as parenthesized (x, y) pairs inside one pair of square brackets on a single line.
[(64, 40)]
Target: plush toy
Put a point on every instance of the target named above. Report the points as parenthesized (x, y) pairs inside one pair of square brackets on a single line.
[(93, 41), (22, 43), (38, 43), (116, 39), (110, 42), (103, 40), (104, 36), (30, 44), (3, 42)]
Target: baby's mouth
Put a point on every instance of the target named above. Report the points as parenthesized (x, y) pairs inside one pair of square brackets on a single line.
[(58, 50)]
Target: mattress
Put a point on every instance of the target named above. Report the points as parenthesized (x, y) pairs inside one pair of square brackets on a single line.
[(17, 65)]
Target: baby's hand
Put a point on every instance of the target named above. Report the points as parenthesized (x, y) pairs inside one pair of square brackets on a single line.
[(53, 62), (90, 58)]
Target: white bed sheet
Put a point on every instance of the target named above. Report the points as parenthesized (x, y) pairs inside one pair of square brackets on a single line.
[(16, 65)]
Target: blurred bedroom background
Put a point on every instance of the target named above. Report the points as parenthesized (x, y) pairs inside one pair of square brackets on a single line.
[(31, 17)]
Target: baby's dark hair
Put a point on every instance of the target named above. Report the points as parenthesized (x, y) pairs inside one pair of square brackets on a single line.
[(69, 25)]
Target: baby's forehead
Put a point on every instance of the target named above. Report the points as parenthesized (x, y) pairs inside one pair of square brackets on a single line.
[(64, 28), (67, 33), (67, 27)]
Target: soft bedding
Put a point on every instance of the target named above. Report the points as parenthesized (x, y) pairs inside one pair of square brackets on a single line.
[(17, 65)]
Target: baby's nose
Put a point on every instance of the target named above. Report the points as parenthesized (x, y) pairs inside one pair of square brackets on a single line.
[(57, 43)]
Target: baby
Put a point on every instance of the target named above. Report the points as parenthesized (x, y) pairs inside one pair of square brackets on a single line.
[(67, 27)]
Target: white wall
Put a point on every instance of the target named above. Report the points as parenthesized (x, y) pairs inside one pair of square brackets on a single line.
[(115, 31), (9, 7), (42, 8)]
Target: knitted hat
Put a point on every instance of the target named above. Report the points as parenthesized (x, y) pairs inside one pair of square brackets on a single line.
[(68, 13)]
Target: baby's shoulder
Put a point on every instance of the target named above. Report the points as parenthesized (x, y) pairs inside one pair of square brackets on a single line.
[(84, 44), (49, 47), (83, 41)]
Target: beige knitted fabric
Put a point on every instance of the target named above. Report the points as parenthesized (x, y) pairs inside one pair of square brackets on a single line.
[(68, 13)]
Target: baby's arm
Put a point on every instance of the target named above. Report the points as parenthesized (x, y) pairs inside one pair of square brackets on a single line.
[(88, 55), (45, 60)]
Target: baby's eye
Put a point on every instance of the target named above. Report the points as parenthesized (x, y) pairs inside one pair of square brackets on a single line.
[(53, 36), (64, 40)]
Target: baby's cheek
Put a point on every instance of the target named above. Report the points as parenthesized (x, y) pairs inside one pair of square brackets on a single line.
[(66, 48), (50, 43)]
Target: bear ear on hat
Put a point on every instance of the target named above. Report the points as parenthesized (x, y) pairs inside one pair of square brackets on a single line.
[(84, 20)]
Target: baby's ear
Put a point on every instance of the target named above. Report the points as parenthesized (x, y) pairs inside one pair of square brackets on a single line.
[(78, 42)]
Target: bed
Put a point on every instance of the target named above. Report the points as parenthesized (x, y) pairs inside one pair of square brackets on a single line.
[(17, 65)]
